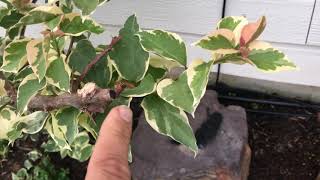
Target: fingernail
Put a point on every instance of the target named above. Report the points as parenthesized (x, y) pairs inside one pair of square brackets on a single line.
[(125, 113)]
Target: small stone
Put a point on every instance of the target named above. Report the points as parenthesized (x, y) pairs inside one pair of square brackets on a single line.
[(224, 155)]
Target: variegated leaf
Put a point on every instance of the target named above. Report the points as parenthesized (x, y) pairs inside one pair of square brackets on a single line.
[(252, 31), (28, 88), (177, 93), (160, 62), (87, 7), (235, 24), (81, 148), (36, 58), (128, 56), (15, 56), (166, 44), (39, 14), (68, 122), (146, 86), (55, 133), (198, 75), (270, 60), (221, 41), (10, 19), (58, 73), (33, 123), (88, 124), (169, 121), (7, 120), (75, 25)]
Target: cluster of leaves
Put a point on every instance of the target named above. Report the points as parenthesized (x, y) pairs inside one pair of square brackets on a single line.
[(38, 166), (141, 59)]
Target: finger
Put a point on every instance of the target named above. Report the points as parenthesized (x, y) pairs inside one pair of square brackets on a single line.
[(110, 155)]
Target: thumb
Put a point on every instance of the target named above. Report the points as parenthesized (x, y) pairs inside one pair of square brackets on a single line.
[(110, 155)]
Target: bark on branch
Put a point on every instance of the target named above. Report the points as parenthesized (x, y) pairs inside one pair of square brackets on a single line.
[(90, 98)]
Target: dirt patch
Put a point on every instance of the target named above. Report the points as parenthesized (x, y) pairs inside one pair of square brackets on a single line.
[(285, 140)]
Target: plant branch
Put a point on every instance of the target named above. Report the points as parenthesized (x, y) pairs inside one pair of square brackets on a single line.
[(90, 98), (114, 41)]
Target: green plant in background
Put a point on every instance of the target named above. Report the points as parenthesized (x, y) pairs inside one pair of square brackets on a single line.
[(38, 166), (62, 85)]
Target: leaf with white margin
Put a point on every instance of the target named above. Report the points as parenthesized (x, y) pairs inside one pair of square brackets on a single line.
[(75, 25), (166, 44), (169, 121), (88, 124), (33, 123), (36, 58), (58, 73), (38, 15), (198, 76), (28, 88), (15, 55), (160, 62), (128, 56), (177, 93), (81, 148), (7, 120), (55, 133), (146, 87), (68, 122), (270, 60), (221, 41), (233, 23), (87, 7)]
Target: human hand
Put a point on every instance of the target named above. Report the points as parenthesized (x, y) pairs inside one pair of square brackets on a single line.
[(110, 154)]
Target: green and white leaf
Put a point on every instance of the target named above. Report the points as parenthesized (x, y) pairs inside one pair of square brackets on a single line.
[(38, 15), (177, 93), (56, 134), (87, 7), (28, 88), (36, 58), (169, 121), (270, 60), (128, 56), (10, 19), (146, 87), (81, 149), (7, 120), (88, 124), (33, 122), (68, 122), (3, 91), (221, 41), (75, 25), (15, 56), (198, 76), (235, 24), (160, 62), (165, 44), (58, 73)]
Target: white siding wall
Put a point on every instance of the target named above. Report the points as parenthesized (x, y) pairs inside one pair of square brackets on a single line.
[(288, 26), (314, 36)]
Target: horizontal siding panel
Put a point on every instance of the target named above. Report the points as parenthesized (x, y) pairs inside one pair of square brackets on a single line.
[(187, 16), (288, 20), (306, 58), (314, 36)]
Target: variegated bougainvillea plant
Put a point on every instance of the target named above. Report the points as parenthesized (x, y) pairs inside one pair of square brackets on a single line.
[(61, 87)]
